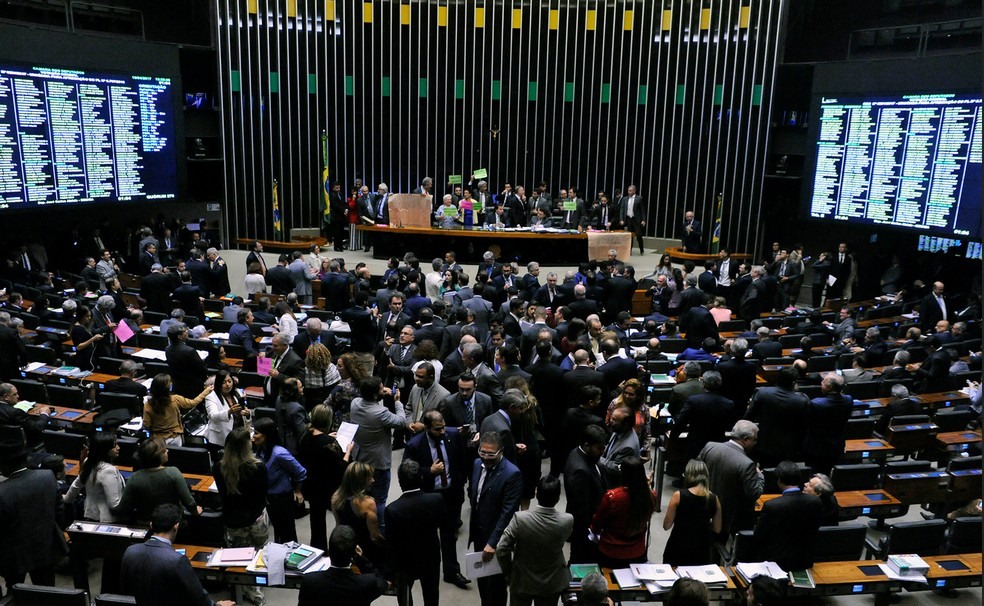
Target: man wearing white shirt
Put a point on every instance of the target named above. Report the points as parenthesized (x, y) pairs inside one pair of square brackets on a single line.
[(632, 214), (432, 281)]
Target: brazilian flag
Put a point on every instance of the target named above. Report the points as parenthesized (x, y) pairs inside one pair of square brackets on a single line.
[(278, 228), (325, 186)]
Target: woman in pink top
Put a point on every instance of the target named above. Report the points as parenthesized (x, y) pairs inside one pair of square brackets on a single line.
[(720, 310)]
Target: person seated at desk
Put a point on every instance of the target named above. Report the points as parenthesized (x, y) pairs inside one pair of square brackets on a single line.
[(126, 383), (788, 526), (821, 486), (594, 591), (176, 318), (153, 485), (766, 591), (857, 373), (156, 574), (240, 333), (339, 584), (33, 425), (901, 404), (688, 592), (162, 412)]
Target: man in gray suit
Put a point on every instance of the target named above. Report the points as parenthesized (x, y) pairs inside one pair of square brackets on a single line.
[(511, 406), (426, 394), (302, 276), (734, 477), (531, 549), (624, 442)]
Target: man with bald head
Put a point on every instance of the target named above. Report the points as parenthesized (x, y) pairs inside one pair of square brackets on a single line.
[(734, 477), (582, 307), (310, 335), (933, 308), (582, 374)]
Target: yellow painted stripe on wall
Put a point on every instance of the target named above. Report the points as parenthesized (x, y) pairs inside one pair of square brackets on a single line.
[(329, 10), (442, 16), (517, 18), (553, 21), (479, 17), (705, 18), (667, 20), (744, 16), (627, 19), (591, 20), (404, 14), (367, 12)]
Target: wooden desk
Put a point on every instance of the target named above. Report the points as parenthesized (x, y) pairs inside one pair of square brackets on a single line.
[(918, 487), (952, 576), (677, 253), (943, 399), (854, 503), (910, 438), (868, 449), (721, 593), (235, 575), (65, 417), (196, 483), (964, 485), (853, 578), (954, 441)]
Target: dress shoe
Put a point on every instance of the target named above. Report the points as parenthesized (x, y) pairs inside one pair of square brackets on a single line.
[(458, 580)]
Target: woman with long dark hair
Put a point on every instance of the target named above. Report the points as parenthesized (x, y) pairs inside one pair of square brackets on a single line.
[(85, 337), (284, 478), (622, 519), (225, 409), (241, 480), (353, 506), (286, 320), (102, 482), (322, 457), (693, 514), (162, 412)]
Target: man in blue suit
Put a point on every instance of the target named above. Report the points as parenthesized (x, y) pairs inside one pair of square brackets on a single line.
[(495, 490), (155, 573), (440, 453)]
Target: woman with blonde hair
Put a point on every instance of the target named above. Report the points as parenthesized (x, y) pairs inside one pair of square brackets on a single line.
[(525, 430), (241, 479), (162, 412), (320, 375), (632, 396), (322, 457), (353, 506), (694, 514), (720, 311)]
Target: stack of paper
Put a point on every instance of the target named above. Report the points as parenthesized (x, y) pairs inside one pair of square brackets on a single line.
[(655, 576), (232, 556), (750, 570), (709, 575), (625, 578)]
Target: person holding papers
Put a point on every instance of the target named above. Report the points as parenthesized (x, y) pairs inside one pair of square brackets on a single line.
[(325, 461), (531, 549), (693, 513)]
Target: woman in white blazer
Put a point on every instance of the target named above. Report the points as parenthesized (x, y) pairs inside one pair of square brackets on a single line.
[(225, 409), (102, 481)]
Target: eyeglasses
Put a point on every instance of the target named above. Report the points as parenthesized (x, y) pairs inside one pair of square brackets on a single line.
[(488, 455)]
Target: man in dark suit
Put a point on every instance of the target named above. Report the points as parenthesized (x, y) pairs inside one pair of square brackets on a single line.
[(690, 238), (467, 408), (705, 416), (200, 271), (632, 213), (766, 347), (531, 335), (826, 424), (494, 492), (841, 268), (30, 506), (362, 323), (188, 295), (548, 388), (286, 365), (548, 295), (754, 298), (511, 406), (581, 374), (780, 412), (616, 369), (845, 324), (788, 526), (13, 353), (125, 383), (620, 288), (156, 288), (148, 258), (582, 307), (507, 357), (698, 324), (738, 377), (278, 277), (442, 468), (901, 404), (489, 266), (256, 256), (429, 330), (934, 373), (335, 288), (188, 370), (310, 335), (412, 545), (339, 584), (573, 212), (933, 308), (584, 484), (156, 574), (337, 210), (241, 334)]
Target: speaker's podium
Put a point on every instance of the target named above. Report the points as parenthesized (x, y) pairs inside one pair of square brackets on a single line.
[(410, 210)]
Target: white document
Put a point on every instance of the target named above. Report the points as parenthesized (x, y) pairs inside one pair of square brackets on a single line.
[(475, 568), (339, 326), (625, 578), (150, 354), (33, 366), (201, 354), (750, 570), (888, 572), (708, 575), (346, 434), (219, 336), (831, 280), (654, 572)]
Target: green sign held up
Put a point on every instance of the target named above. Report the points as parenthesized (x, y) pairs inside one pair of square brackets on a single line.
[(482, 173), (570, 205), (454, 179)]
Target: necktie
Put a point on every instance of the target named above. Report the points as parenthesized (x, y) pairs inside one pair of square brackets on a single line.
[(611, 444), (604, 216), (553, 293), (939, 300), (841, 259), (439, 447), (403, 351), (481, 483), (469, 412), (26, 262), (782, 269), (419, 408), (568, 217)]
